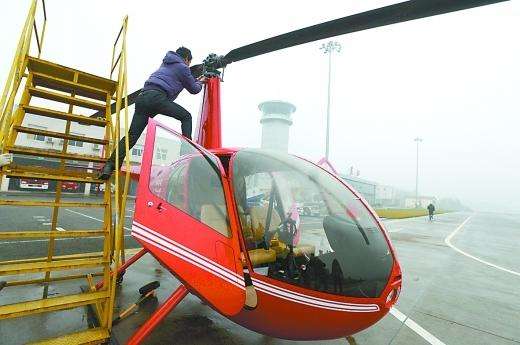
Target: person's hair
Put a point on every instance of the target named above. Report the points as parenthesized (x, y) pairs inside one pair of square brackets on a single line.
[(184, 53)]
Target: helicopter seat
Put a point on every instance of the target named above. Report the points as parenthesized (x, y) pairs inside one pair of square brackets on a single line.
[(282, 249), (261, 256), (258, 221), (216, 218)]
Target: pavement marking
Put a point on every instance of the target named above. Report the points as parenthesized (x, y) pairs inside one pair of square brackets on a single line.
[(430, 338), (395, 230), (59, 228), (447, 240), (94, 218), (46, 223)]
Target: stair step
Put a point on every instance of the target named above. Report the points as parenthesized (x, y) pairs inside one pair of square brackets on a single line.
[(60, 135), (62, 72), (24, 150), (43, 173), (56, 258), (69, 86), (5, 202), (46, 234), (84, 120), (91, 336), (34, 267), (51, 304), (58, 97)]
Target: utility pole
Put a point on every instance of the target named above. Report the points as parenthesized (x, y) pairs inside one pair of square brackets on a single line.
[(417, 140), (329, 48)]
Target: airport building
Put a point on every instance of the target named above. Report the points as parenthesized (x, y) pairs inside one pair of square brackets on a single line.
[(50, 143), (421, 202), (365, 187)]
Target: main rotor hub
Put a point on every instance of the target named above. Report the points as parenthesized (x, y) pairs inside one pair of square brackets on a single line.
[(211, 64)]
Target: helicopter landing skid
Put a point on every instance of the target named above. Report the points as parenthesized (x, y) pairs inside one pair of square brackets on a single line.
[(153, 321), (175, 298), (121, 270)]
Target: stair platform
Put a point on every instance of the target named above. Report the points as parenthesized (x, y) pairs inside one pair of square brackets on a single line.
[(55, 70)]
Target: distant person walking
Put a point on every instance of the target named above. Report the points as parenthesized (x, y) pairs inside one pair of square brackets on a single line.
[(431, 210)]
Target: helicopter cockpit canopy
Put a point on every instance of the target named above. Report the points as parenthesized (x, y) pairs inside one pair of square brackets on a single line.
[(303, 226)]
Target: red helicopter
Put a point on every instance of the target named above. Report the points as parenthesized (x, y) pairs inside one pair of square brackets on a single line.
[(225, 221)]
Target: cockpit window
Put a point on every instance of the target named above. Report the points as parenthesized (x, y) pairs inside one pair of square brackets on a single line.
[(304, 227), (189, 180)]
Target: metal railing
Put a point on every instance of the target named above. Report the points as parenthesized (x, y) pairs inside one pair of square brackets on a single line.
[(16, 73), (113, 251), (121, 185)]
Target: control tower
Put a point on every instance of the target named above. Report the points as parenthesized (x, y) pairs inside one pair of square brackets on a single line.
[(276, 120)]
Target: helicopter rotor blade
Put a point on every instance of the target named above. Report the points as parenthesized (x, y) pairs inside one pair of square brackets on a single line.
[(197, 70), (131, 100), (392, 14)]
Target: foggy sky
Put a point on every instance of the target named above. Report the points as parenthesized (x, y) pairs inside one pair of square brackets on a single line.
[(453, 80)]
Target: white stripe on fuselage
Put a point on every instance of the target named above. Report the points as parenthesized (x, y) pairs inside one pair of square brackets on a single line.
[(157, 240)]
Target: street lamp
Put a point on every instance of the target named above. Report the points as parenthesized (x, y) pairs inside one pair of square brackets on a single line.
[(417, 140), (329, 48)]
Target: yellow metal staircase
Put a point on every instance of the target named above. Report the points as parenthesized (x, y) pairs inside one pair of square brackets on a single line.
[(38, 79)]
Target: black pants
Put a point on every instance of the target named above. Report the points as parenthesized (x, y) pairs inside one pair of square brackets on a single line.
[(148, 104)]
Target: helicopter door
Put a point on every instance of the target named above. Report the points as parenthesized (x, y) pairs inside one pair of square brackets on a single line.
[(181, 217)]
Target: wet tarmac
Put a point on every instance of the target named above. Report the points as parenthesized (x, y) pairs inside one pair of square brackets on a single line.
[(461, 285)]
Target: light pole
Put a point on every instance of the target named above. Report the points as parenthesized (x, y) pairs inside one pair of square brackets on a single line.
[(417, 140), (329, 48)]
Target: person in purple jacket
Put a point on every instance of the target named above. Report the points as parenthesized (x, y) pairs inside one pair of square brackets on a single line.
[(157, 97)]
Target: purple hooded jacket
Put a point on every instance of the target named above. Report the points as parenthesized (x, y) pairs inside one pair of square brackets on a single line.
[(173, 76)]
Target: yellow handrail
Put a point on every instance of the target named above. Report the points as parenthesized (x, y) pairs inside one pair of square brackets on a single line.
[(120, 195), (18, 66)]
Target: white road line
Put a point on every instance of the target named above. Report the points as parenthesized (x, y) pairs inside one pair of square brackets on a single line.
[(46, 223), (94, 218), (395, 230), (60, 228), (447, 240), (430, 338)]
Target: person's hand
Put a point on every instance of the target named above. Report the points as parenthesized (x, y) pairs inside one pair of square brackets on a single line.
[(202, 79)]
